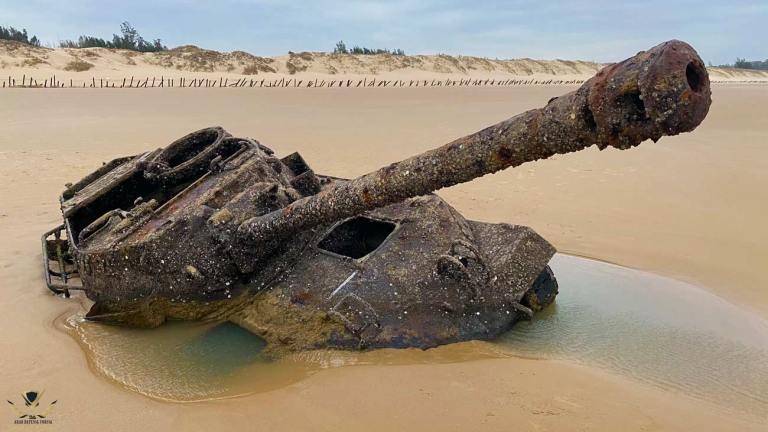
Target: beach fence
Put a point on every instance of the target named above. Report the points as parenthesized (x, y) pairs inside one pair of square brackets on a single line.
[(25, 81)]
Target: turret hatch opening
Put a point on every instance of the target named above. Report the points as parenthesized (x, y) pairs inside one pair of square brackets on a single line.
[(357, 237)]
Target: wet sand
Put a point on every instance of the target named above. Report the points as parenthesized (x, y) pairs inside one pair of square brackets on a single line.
[(624, 321), (689, 207)]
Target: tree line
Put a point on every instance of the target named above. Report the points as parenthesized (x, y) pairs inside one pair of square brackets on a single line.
[(128, 39), (341, 48), (10, 33), (741, 63)]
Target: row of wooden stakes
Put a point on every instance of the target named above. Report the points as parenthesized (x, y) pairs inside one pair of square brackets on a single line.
[(154, 82)]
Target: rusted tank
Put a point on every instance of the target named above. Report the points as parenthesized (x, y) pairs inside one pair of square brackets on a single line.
[(220, 228)]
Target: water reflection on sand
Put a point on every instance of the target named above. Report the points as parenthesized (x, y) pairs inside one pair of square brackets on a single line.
[(654, 329)]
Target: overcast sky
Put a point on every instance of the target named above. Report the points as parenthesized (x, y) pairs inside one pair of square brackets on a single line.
[(600, 30)]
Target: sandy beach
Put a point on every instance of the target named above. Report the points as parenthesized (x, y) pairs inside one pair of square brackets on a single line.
[(689, 207)]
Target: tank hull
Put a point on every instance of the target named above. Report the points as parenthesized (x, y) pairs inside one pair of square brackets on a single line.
[(431, 277)]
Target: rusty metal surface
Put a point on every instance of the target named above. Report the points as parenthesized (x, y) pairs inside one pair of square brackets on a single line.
[(218, 227), (437, 278)]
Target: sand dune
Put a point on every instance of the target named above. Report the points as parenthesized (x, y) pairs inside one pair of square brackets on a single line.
[(82, 65)]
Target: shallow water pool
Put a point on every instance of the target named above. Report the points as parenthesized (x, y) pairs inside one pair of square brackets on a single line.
[(651, 328), (655, 329)]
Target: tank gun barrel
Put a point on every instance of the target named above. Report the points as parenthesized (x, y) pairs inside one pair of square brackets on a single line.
[(662, 91)]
